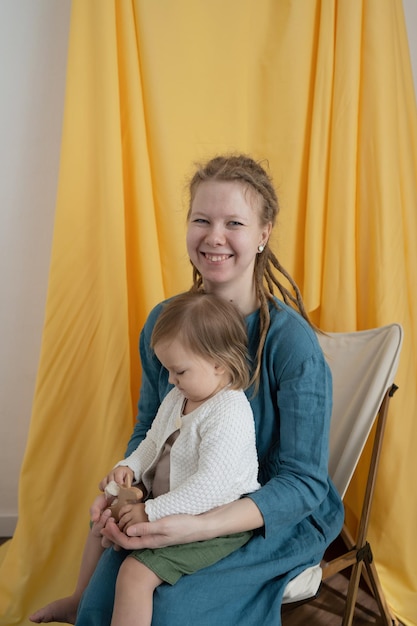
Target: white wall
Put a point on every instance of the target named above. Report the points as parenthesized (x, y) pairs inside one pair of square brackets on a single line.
[(410, 12), (33, 51), (33, 48)]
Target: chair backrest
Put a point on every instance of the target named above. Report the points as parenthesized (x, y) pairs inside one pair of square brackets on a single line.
[(363, 365)]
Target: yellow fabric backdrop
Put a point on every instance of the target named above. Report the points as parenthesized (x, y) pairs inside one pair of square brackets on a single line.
[(323, 90)]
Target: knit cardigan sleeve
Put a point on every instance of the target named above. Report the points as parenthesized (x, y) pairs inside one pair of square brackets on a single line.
[(214, 459), (146, 454)]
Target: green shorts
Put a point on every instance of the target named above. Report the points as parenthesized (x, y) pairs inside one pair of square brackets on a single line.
[(172, 562)]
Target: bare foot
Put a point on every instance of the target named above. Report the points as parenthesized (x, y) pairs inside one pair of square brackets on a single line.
[(63, 610)]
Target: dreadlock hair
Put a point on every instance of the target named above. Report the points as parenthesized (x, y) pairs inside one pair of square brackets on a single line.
[(252, 175)]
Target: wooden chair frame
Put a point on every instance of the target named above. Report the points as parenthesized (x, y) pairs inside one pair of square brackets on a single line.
[(363, 364), (359, 554)]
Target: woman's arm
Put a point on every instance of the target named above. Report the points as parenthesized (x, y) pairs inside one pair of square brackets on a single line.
[(230, 518), (151, 394)]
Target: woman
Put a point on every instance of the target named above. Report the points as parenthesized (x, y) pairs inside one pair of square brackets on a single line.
[(297, 512)]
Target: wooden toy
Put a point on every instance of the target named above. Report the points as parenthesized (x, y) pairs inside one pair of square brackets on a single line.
[(119, 495)]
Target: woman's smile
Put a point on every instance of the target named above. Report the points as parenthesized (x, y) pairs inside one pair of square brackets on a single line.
[(216, 258)]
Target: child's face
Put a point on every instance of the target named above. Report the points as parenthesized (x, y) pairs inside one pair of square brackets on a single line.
[(196, 377)]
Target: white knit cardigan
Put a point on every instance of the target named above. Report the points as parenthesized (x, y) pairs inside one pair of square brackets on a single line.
[(213, 461)]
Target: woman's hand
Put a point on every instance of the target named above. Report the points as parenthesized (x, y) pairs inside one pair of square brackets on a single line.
[(100, 514), (98, 507), (171, 530), (230, 518)]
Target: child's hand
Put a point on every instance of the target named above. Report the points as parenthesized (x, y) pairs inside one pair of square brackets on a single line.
[(121, 474), (132, 514)]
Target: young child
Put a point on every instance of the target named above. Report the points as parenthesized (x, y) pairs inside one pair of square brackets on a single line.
[(199, 453)]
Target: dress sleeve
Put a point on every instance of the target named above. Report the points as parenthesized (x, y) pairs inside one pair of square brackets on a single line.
[(150, 393), (297, 464)]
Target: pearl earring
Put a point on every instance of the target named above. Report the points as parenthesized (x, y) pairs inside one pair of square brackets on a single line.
[(261, 248)]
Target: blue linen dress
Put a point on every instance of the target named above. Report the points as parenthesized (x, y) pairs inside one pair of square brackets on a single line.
[(301, 508)]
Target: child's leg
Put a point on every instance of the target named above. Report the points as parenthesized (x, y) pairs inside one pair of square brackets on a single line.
[(65, 609), (135, 586)]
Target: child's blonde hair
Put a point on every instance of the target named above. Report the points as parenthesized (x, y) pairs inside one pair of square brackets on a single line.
[(211, 327)]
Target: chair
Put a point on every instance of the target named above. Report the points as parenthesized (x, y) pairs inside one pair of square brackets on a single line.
[(363, 366)]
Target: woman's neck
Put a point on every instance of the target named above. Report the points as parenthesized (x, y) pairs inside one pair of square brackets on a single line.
[(245, 301)]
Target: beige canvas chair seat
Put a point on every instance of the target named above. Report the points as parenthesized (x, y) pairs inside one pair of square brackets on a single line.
[(363, 365)]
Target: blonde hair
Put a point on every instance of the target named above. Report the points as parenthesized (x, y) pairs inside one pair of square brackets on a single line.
[(250, 173), (211, 327)]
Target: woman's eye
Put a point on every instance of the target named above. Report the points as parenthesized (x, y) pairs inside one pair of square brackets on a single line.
[(199, 220), (235, 223), (179, 373)]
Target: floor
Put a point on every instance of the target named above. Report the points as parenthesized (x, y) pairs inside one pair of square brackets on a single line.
[(327, 608)]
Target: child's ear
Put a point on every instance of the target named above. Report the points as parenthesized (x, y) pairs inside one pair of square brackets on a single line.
[(220, 369)]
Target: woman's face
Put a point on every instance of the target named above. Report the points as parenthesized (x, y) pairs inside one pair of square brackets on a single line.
[(224, 233)]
